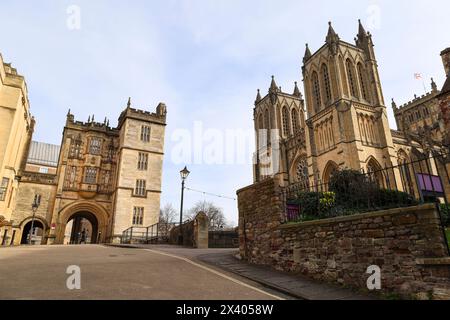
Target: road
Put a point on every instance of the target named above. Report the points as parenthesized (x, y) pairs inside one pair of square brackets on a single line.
[(118, 273)]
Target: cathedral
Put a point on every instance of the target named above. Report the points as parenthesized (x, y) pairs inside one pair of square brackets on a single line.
[(99, 182), (342, 121)]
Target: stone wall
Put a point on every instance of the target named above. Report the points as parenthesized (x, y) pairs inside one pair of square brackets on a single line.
[(195, 232), (223, 239), (406, 243)]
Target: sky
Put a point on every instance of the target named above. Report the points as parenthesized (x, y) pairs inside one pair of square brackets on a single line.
[(205, 59)]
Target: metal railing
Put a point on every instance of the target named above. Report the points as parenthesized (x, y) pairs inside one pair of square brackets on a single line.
[(349, 191), (156, 233)]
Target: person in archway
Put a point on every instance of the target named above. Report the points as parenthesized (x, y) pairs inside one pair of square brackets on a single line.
[(83, 237)]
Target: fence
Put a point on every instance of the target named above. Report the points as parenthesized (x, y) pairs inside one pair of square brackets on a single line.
[(348, 192), (156, 233)]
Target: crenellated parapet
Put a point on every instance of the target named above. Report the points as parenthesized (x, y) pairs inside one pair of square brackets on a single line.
[(158, 117)]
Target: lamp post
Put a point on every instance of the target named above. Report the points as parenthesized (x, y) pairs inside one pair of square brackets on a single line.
[(184, 174), (34, 207)]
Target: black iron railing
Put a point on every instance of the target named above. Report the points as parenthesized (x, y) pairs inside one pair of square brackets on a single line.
[(345, 192), (156, 233)]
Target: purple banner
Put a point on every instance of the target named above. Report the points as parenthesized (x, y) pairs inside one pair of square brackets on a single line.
[(292, 212), (429, 183)]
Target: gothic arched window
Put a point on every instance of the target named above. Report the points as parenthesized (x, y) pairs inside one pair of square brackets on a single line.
[(352, 79), (326, 82), (362, 80), (316, 92), (302, 173), (286, 122), (294, 116), (267, 125)]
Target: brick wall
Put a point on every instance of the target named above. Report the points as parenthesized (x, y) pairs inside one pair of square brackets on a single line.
[(406, 243)]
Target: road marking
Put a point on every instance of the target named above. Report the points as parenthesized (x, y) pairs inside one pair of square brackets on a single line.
[(215, 272)]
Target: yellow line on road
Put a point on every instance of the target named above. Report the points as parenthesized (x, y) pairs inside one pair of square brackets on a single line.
[(215, 272)]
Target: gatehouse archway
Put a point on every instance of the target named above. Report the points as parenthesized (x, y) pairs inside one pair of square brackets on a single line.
[(82, 228), (87, 215)]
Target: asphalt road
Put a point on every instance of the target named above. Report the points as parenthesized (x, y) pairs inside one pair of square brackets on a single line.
[(117, 273)]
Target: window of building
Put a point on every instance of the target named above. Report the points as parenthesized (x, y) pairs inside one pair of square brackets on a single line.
[(302, 174), (286, 123), (352, 79), (75, 149), (326, 82), (142, 161), (90, 175), (316, 92), (4, 188), (294, 116), (145, 133), (140, 188), (43, 170), (267, 125), (95, 146), (362, 80), (138, 216)]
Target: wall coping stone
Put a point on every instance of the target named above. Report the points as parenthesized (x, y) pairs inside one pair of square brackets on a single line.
[(373, 214), (433, 261), (268, 181)]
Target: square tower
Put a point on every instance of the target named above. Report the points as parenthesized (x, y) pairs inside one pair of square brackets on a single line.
[(347, 119), (140, 153)]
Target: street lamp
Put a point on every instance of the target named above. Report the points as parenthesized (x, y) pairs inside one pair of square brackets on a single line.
[(184, 174), (34, 207)]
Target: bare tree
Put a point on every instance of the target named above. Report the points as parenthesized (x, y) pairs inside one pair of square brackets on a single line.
[(167, 217), (217, 220)]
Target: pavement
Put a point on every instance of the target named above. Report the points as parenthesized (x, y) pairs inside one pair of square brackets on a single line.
[(150, 272), (40, 272), (295, 286)]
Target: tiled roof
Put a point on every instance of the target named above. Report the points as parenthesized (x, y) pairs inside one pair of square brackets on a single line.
[(43, 154)]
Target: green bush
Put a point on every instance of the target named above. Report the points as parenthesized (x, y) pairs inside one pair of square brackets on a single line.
[(445, 211), (350, 192), (387, 198), (309, 203), (350, 186)]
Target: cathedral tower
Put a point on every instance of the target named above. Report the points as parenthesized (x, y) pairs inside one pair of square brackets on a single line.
[(347, 120), (279, 120)]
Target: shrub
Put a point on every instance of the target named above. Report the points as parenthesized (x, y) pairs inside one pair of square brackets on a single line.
[(309, 203), (445, 211), (352, 187), (387, 198)]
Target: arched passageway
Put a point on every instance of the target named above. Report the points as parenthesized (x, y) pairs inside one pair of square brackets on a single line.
[(37, 234), (81, 228)]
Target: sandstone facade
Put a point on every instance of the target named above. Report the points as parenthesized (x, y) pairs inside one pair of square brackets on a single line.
[(110, 176), (408, 244), (342, 122), (16, 129)]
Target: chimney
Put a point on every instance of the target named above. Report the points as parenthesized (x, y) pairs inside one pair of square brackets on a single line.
[(446, 60)]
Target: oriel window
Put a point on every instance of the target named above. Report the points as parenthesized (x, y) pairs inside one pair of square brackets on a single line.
[(95, 146), (90, 175)]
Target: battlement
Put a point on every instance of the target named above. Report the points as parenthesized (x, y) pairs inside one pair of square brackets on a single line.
[(418, 100), (158, 117), (91, 124)]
